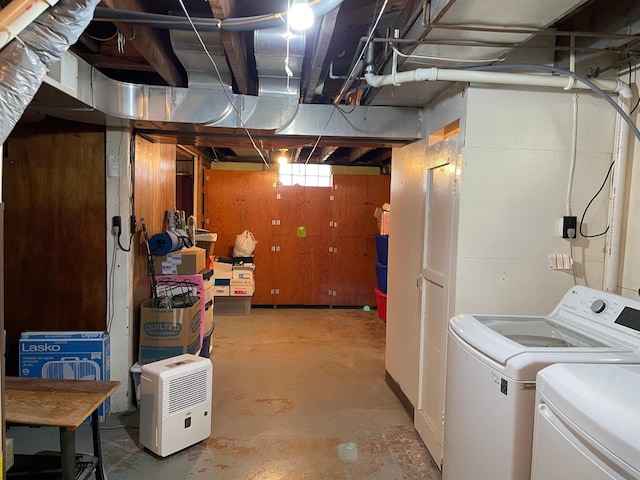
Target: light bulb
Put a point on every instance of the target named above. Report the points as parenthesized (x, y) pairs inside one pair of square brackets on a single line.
[(300, 15), (282, 160)]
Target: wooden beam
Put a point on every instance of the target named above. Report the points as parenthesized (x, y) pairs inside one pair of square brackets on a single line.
[(356, 153), (235, 47), (148, 42), (116, 63)]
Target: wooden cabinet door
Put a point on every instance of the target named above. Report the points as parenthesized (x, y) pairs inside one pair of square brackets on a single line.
[(223, 201), (378, 193), (265, 275), (317, 211), (289, 269), (349, 206), (258, 193), (317, 271), (351, 271), (290, 207)]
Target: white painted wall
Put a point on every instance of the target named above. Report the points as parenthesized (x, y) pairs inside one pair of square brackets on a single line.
[(513, 194), (119, 265), (512, 187)]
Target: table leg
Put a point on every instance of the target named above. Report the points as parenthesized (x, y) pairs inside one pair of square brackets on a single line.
[(97, 447), (68, 453)]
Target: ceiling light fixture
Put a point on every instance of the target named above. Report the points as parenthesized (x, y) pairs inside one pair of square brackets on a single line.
[(282, 158), (300, 15)]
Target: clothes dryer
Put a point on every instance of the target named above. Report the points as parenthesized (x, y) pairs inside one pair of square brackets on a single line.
[(587, 423)]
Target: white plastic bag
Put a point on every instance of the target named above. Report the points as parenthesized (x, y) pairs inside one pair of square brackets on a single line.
[(245, 244)]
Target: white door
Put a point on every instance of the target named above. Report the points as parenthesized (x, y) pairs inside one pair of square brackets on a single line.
[(436, 266)]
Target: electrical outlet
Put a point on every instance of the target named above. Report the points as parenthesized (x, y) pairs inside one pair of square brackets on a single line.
[(116, 225), (569, 227)]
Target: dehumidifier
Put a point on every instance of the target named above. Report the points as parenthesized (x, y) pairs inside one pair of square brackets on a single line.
[(175, 403)]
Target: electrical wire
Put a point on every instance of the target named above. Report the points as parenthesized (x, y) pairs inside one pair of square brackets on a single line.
[(591, 201), (321, 134), (204, 47)]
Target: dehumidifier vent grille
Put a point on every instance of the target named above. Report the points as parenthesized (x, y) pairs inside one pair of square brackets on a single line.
[(186, 391)]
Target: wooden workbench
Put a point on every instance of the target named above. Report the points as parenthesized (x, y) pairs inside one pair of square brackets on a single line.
[(59, 403)]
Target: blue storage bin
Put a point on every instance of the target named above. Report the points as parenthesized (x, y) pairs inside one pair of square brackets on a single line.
[(381, 276), (382, 248)]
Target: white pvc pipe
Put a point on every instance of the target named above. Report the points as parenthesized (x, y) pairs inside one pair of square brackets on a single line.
[(612, 255), (17, 15), (451, 75), (616, 200)]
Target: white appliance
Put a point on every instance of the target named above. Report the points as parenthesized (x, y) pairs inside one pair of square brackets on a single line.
[(587, 423), (492, 362), (175, 403)]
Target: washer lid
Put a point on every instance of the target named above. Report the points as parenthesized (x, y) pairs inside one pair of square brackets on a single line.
[(600, 399)]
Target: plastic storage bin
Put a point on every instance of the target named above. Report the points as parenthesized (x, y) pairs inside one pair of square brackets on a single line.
[(233, 305), (382, 248), (381, 276), (381, 302)]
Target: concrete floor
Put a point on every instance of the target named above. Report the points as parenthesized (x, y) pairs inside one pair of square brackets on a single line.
[(298, 394)]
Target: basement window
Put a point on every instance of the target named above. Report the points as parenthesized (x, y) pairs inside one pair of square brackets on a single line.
[(305, 175)]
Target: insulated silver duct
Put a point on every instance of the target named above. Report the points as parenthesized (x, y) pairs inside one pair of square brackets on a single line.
[(196, 62), (24, 62), (279, 55)]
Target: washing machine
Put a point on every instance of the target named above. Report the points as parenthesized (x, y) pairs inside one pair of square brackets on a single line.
[(492, 363), (587, 423)]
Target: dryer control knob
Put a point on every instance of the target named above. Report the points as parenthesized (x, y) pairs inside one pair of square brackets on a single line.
[(598, 306)]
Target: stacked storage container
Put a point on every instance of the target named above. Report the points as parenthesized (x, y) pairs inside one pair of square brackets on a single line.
[(382, 249)]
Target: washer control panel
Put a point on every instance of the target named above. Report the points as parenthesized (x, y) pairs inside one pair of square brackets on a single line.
[(601, 307)]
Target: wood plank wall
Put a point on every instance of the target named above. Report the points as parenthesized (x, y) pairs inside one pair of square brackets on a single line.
[(332, 265), (154, 193), (55, 239)]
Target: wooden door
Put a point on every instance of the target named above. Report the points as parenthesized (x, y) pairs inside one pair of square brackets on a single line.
[(289, 269), (378, 193), (265, 275), (349, 206), (316, 214), (317, 271), (290, 207), (258, 194), (223, 201), (351, 271)]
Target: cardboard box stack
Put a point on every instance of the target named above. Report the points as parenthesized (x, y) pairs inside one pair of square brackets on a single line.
[(177, 320), (234, 285)]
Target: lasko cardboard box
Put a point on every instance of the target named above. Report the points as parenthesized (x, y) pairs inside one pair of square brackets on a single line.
[(67, 355), (168, 332), (187, 261)]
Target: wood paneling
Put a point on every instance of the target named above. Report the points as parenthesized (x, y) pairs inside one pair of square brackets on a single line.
[(302, 270), (55, 238), (155, 190)]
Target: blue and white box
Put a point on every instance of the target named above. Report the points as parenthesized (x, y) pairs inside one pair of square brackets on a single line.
[(67, 355)]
